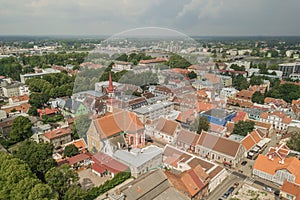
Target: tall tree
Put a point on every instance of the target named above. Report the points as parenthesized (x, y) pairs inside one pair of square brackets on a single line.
[(200, 124), (21, 129), (294, 142), (243, 128), (71, 150), (61, 178), (258, 97), (37, 155)]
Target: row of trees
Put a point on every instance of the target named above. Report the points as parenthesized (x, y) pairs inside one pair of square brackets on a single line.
[(60, 58), (134, 58)]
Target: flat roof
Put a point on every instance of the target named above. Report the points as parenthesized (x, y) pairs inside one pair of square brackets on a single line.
[(151, 108), (218, 113), (137, 157)]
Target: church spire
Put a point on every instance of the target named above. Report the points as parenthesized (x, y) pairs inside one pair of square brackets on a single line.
[(110, 84)]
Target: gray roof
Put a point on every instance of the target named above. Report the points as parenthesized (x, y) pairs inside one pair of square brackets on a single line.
[(151, 108), (253, 111), (137, 157), (171, 194), (147, 186), (218, 113)]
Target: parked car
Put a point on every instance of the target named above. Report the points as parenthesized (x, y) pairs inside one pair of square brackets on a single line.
[(244, 163), (229, 191), (268, 189), (277, 192)]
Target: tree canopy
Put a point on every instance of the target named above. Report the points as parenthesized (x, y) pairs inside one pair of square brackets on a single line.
[(258, 97), (20, 130), (18, 182), (243, 128), (38, 156), (294, 142), (287, 92), (200, 124), (177, 61), (71, 150)]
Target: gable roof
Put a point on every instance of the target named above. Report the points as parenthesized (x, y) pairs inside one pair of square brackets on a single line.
[(251, 140), (106, 162), (188, 137), (270, 166), (291, 188), (78, 158), (219, 144), (117, 122), (57, 133), (167, 126)]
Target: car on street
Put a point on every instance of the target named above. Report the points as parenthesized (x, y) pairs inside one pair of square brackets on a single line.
[(268, 189), (244, 163), (229, 191)]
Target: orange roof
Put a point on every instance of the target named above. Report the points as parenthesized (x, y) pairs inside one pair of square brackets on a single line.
[(291, 188), (47, 111), (240, 116), (156, 60), (245, 94), (203, 106), (186, 116), (167, 126), (270, 166), (282, 115), (23, 108), (181, 71), (80, 143), (213, 78), (24, 97), (261, 124), (78, 158), (230, 126), (117, 122), (58, 133), (251, 140)]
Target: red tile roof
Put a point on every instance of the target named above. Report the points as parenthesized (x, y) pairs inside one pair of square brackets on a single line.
[(291, 188), (47, 111), (240, 116), (118, 122), (58, 133), (251, 140), (104, 161), (156, 60), (78, 158)]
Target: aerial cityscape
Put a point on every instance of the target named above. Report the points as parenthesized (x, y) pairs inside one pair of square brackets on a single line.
[(193, 103)]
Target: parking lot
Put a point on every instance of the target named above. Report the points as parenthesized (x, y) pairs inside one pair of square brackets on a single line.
[(88, 179)]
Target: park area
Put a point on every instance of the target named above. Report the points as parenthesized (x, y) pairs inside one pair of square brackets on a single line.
[(247, 192)]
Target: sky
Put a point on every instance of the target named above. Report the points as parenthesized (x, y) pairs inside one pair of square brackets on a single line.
[(191, 17)]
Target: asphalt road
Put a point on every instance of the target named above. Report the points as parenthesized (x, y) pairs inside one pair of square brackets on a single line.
[(224, 186)]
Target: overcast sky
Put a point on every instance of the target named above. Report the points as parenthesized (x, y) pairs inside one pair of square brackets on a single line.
[(192, 17)]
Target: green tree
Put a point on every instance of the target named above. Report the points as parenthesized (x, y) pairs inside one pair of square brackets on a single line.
[(37, 155), (177, 61), (294, 142), (74, 193), (71, 150), (243, 128), (61, 178), (256, 80), (192, 75), (17, 182), (20, 130), (200, 124), (258, 97), (42, 192), (240, 82)]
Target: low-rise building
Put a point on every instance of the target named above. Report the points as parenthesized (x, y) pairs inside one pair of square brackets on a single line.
[(277, 167), (58, 137), (279, 120), (290, 191), (220, 149), (218, 116), (140, 161), (166, 130)]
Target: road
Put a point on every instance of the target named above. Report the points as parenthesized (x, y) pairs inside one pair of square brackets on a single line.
[(225, 185)]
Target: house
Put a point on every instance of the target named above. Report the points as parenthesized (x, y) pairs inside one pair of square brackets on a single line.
[(218, 116), (119, 66), (15, 99), (277, 167), (12, 89), (79, 161), (166, 130), (114, 131), (265, 127), (217, 129), (16, 108), (5, 126), (154, 111), (105, 165), (187, 140), (205, 106), (58, 137), (240, 116), (252, 139), (220, 149), (254, 113), (228, 92), (79, 144), (205, 175), (279, 120), (140, 161), (290, 191), (242, 98), (47, 112), (75, 108), (153, 185)]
